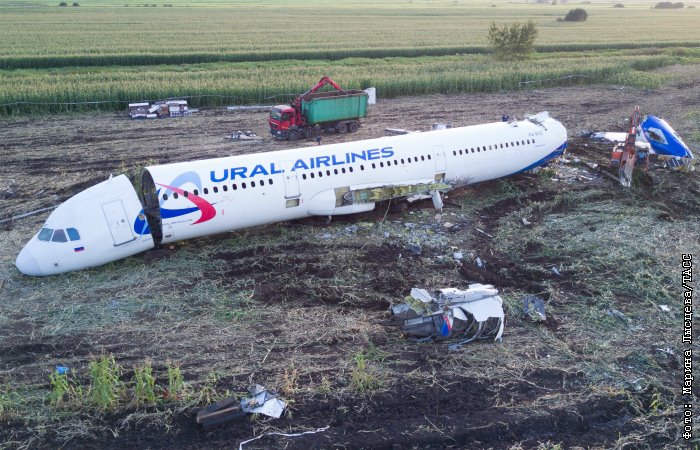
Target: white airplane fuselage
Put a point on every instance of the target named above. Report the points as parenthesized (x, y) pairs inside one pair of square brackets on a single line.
[(198, 198)]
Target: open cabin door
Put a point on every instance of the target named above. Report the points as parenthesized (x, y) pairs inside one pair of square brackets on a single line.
[(118, 222)]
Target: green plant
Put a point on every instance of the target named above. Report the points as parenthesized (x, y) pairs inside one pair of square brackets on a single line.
[(290, 380), (576, 15), (65, 389), (144, 384), (362, 380), (176, 382), (514, 40), (105, 386)]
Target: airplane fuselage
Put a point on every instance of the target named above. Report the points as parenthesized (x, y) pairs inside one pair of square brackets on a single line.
[(199, 198)]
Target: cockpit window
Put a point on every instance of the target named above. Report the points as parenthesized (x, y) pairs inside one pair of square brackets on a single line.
[(45, 234), (59, 236), (656, 135), (73, 234)]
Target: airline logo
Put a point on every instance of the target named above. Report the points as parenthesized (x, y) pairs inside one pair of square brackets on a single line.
[(206, 209), (315, 162)]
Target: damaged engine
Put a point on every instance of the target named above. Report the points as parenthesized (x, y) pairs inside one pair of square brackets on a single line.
[(475, 313)]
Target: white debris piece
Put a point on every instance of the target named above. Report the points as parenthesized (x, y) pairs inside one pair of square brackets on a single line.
[(263, 402), (474, 313), (610, 136), (422, 295)]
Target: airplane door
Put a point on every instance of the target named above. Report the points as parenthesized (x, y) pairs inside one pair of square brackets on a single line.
[(118, 223), (439, 155), (291, 181)]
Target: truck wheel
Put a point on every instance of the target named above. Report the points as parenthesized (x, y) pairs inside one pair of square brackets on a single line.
[(293, 135), (341, 128), (309, 132), (353, 126)]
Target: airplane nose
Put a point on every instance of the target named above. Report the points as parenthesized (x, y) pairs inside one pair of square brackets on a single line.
[(27, 263)]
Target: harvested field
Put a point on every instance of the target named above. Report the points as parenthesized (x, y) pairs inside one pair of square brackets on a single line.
[(299, 307)]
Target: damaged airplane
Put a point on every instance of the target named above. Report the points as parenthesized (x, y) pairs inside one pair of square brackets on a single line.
[(111, 221)]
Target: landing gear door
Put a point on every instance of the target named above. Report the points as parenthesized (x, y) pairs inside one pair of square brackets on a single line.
[(439, 155), (291, 182), (118, 222)]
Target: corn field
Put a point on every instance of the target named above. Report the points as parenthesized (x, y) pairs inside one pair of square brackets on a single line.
[(219, 53)]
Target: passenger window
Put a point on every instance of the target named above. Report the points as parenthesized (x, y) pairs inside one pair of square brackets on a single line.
[(454, 152), (196, 192), (225, 188), (175, 195), (45, 234), (216, 189), (270, 181), (335, 171), (243, 185), (320, 174), (303, 175), (374, 166), (362, 167), (206, 191), (234, 186), (350, 168), (262, 182), (328, 173), (165, 196), (252, 184), (73, 234), (59, 236), (343, 169), (187, 194)]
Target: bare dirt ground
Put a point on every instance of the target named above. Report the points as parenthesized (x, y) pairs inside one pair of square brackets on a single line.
[(291, 306)]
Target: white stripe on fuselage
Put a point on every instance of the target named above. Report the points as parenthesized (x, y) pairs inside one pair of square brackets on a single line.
[(250, 206)]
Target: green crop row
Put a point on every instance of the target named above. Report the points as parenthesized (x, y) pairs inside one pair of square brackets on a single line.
[(110, 34), (215, 84), (58, 61)]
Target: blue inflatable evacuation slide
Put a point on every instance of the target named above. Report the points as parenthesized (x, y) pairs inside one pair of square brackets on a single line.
[(662, 138)]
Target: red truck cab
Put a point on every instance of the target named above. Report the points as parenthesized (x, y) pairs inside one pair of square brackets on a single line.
[(282, 118)]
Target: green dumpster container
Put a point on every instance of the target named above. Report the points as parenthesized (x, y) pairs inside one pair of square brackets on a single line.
[(334, 106)]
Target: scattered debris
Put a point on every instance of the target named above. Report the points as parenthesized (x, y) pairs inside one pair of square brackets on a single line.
[(159, 109), (263, 402), (555, 271), (414, 248), (8, 189), (475, 313), (484, 233), (526, 222), (458, 256), (27, 214), (223, 411), (318, 430), (665, 308), (397, 131), (615, 313), (242, 135), (61, 370), (480, 263), (533, 304)]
